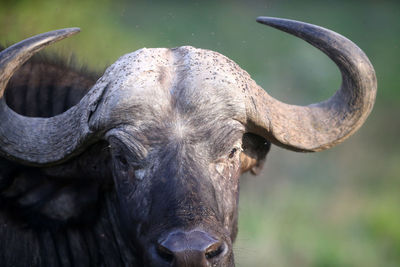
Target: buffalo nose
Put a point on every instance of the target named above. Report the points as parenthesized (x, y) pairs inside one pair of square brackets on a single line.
[(193, 248)]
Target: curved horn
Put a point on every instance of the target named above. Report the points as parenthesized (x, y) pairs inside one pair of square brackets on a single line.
[(322, 125), (40, 141)]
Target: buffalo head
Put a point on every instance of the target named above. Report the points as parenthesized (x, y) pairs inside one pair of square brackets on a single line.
[(182, 125)]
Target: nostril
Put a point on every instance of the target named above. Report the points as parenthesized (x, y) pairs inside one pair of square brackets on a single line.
[(165, 253), (214, 250), (183, 247)]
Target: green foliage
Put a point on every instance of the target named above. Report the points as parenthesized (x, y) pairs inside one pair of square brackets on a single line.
[(334, 208)]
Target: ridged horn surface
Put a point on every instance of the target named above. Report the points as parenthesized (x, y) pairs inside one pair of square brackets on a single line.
[(41, 141), (321, 125)]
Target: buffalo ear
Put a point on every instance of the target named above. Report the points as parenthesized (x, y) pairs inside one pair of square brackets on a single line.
[(255, 150)]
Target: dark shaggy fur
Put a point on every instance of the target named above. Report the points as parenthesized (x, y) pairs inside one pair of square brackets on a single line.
[(65, 215)]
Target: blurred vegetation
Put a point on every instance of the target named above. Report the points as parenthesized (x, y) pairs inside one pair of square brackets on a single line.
[(334, 208)]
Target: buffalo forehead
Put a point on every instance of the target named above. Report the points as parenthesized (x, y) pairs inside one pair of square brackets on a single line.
[(184, 79)]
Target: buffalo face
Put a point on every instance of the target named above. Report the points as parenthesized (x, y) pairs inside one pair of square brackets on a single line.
[(176, 164)]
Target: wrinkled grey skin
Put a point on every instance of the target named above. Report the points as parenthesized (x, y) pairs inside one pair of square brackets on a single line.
[(176, 160)]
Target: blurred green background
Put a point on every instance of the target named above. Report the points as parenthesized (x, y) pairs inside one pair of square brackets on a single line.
[(334, 208)]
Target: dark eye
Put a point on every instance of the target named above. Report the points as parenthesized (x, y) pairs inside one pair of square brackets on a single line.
[(233, 152), (122, 160)]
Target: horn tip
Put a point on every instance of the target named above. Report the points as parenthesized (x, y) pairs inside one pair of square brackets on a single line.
[(75, 29), (279, 23), (60, 34), (267, 20), (72, 30)]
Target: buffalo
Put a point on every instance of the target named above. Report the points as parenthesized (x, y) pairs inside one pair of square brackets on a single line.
[(141, 166)]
